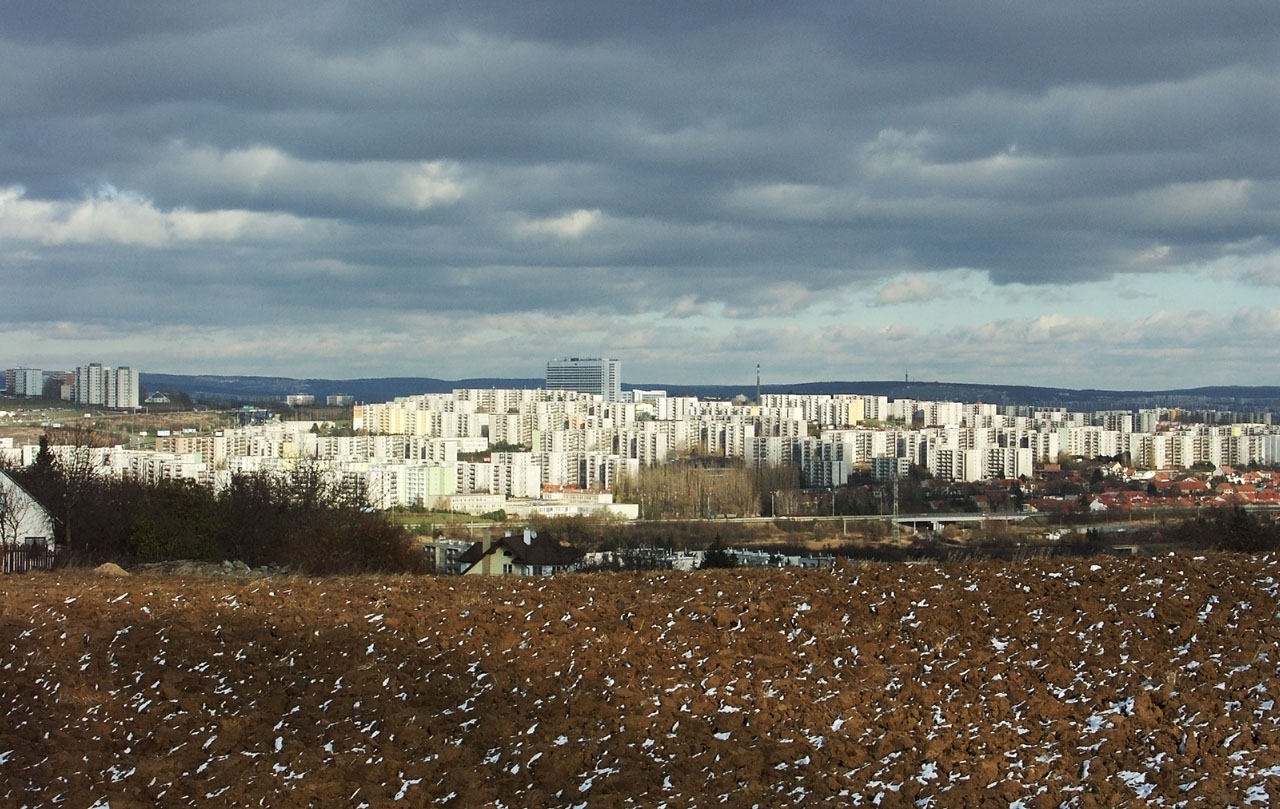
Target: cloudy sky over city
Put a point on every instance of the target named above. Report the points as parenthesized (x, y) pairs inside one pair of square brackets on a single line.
[(1078, 194)]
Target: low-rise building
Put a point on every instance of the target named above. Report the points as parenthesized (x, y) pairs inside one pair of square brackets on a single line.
[(26, 529), (525, 555)]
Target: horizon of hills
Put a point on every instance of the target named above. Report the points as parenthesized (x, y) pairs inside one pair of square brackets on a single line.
[(240, 388)]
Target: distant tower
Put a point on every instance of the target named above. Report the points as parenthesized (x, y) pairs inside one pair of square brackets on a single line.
[(757, 383)]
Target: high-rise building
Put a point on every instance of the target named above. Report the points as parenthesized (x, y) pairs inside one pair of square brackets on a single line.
[(91, 384), (122, 389), (587, 375), (99, 385), (28, 382), (24, 381)]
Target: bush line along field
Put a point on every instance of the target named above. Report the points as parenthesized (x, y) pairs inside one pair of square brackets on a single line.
[(1105, 682), (303, 519)]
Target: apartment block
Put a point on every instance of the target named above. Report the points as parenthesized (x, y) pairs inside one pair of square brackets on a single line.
[(103, 386), (24, 381)]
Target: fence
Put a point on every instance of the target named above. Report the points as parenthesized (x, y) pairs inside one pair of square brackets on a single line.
[(19, 557)]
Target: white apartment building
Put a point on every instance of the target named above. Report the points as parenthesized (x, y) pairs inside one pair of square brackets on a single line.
[(25, 381), (91, 384), (771, 450), (602, 377), (99, 385), (883, 468), (1120, 421), (648, 446), (941, 414), (410, 455)]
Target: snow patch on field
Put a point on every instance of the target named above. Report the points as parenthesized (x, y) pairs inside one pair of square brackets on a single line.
[(1143, 681)]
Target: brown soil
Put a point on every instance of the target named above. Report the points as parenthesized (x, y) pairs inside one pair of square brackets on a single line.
[(1044, 684)]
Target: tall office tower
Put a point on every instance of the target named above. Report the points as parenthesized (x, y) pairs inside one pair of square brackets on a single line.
[(586, 375)]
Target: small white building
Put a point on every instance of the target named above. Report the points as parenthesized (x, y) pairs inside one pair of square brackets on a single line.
[(23, 521)]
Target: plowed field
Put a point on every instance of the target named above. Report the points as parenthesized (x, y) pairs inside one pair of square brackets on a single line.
[(1068, 683)]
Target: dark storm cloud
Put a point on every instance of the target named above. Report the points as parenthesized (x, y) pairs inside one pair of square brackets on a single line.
[(308, 161)]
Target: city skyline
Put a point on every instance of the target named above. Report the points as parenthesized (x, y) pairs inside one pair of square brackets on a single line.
[(1080, 196)]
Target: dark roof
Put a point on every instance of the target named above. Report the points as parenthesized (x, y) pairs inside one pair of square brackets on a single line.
[(540, 550)]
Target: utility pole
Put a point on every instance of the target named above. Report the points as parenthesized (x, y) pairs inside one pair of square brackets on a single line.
[(895, 505)]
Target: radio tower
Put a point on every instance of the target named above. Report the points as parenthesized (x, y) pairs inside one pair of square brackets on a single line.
[(757, 383)]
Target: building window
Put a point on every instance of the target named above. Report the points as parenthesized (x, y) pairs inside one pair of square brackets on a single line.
[(506, 568)]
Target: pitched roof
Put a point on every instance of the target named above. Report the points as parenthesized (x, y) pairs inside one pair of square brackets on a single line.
[(535, 550)]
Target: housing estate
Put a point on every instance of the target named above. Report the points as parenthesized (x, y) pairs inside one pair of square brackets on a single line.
[(563, 451)]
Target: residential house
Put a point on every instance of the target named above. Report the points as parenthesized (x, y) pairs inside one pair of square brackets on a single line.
[(26, 528), (525, 555)]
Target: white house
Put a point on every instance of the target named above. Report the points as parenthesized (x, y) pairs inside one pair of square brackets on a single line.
[(23, 521)]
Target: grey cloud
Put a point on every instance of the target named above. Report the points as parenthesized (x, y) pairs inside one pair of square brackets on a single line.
[(696, 161)]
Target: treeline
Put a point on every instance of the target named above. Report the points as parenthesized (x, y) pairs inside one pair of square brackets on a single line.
[(304, 519), (686, 491), (605, 533), (1227, 529)]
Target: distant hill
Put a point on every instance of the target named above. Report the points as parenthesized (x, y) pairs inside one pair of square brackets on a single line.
[(381, 389), (259, 388), (1238, 398)]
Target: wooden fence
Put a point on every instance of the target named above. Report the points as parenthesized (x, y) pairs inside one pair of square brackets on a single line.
[(19, 557)]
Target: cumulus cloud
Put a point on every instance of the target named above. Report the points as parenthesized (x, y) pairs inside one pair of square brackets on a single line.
[(907, 290), (1255, 263), (687, 306), (425, 185), (111, 216), (573, 225), (267, 176), (1264, 274)]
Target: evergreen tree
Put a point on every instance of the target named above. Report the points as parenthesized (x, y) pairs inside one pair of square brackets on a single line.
[(717, 557)]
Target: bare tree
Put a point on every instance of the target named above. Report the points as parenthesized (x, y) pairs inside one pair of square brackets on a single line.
[(78, 470), (13, 511), (685, 490), (15, 505)]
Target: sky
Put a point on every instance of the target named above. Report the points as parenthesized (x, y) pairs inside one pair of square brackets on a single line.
[(1065, 194)]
